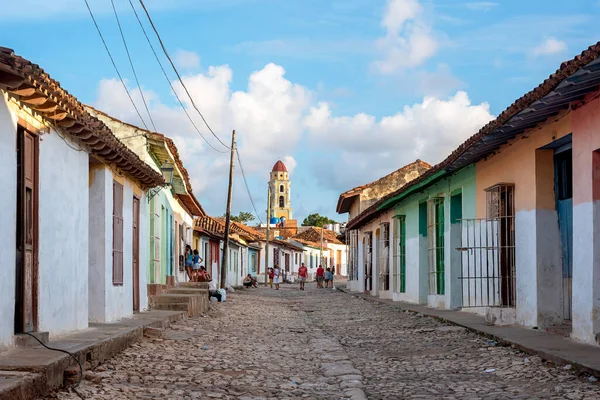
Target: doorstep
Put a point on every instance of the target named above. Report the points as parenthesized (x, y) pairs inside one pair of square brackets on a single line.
[(28, 373), (549, 346)]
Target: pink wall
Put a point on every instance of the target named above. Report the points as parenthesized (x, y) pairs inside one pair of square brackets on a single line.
[(586, 139)]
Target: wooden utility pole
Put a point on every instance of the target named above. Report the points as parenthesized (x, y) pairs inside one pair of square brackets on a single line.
[(268, 230), (228, 216), (321, 249)]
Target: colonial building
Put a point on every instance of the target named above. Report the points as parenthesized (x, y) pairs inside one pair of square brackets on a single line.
[(506, 225), (72, 198), (172, 208), (367, 270), (337, 253)]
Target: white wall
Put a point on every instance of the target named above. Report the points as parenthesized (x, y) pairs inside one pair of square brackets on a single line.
[(109, 302), (8, 220), (63, 236)]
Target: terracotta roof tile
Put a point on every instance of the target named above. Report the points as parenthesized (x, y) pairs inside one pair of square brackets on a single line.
[(313, 234), (25, 80)]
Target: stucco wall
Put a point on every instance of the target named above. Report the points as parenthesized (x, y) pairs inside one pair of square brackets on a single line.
[(417, 267), (63, 236), (8, 244), (109, 302), (586, 222), (537, 237)]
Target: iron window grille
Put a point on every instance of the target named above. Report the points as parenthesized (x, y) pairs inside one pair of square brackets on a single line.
[(399, 240), (384, 256), (488, 261), (435, 245)]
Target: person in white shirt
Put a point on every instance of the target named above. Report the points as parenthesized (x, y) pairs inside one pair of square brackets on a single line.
[(276, 273)]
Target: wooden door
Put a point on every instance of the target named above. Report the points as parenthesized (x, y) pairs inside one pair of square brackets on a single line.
[(563, 162), (136, 254), (27, 232)]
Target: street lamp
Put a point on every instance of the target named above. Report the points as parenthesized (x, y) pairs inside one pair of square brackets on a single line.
[(167, 170)]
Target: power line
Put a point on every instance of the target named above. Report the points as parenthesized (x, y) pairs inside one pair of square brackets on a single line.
[(246, 184), (179, 76), (131, 63), (169, 81), (115, 65)]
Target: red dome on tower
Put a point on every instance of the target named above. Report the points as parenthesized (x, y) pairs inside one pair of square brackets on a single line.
[(279, 167)]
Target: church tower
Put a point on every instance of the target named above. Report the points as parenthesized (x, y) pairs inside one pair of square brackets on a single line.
[(281, 198)]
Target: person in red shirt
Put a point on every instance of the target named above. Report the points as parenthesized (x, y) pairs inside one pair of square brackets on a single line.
[(320, 276), (302, 275)]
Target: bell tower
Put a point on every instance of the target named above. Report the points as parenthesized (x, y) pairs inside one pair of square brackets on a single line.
[(281, 199)]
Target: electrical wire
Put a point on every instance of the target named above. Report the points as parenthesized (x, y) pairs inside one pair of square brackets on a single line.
[(66, 352), (170, 84), (131, 63), (179, 76), (246, 184), (114, 64)]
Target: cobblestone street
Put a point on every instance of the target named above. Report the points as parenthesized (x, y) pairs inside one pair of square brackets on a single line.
[(324, 344)]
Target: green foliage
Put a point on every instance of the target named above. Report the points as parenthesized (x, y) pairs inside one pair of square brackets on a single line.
[(317, 220), (243, 217)]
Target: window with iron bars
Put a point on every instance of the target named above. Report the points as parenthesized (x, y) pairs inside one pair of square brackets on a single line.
[(368, 260), (435, 245), (384, 256), (488, 261), (352, 254), (400, 253), (275, 257)]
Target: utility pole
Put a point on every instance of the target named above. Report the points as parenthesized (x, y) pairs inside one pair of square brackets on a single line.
[(321, 249), (228, 216), (267, 242)]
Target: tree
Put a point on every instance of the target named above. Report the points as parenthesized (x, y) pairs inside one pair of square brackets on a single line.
[(317, 220), (243, 217)]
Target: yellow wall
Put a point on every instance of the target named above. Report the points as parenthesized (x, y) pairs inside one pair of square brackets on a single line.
[(522, 164)]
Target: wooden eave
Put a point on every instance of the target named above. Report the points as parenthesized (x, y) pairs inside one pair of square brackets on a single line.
[(31, 86)]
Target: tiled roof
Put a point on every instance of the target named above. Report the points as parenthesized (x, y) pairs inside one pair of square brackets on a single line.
[(189, 200), (345, 199), (32, 86), (216, 227), (279, 167), (316, 245), (313, 234), (523, 103)]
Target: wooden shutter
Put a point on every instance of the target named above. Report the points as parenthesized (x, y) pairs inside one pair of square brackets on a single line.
[(117, 233)]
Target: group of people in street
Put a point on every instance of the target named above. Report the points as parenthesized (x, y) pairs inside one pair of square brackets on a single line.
[(196, 272), (274, 277), (325, 277)]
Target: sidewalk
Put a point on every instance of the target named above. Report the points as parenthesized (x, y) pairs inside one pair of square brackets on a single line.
[(558, 349), (27, 373)]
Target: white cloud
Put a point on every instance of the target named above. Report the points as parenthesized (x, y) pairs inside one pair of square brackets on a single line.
[(370, 148), (549, 47), (409, 40), (267, 117), (187, 59)]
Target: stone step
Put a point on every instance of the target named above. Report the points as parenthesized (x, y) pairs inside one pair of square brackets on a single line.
[(185, 307), (171, 298), (22, 340), (198, 285), (191, 291)]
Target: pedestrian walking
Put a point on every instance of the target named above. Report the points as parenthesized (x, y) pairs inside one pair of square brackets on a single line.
[(332, 274), (320, 276), (302, 275), (327, 277), (271, 276), (276, 273)]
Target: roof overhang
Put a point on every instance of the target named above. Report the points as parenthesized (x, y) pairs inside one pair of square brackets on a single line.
[(345, 203)]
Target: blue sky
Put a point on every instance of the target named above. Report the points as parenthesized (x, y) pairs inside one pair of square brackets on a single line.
[(343, 91)]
